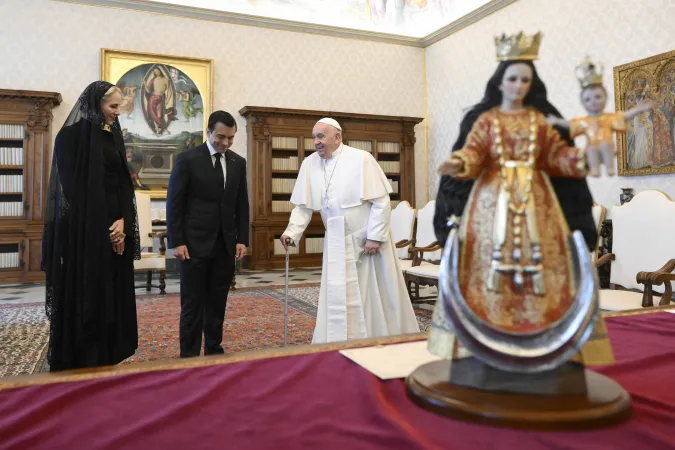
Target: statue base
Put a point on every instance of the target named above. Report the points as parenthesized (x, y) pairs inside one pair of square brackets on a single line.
[(567, 398)]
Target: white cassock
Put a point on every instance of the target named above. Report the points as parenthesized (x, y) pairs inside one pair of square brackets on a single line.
[(361, 295)]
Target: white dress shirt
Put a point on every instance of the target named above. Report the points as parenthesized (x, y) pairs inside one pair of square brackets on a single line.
[(222, 161)]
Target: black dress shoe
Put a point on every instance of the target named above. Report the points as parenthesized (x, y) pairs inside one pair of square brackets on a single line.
[(214, 351)]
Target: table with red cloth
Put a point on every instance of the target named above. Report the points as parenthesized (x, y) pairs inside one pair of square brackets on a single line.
[(311, 398)]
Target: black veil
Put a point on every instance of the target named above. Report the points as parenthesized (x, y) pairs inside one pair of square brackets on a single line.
[(75, 234)]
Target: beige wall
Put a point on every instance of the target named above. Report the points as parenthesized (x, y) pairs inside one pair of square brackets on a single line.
[(54, 46), (613, 31)]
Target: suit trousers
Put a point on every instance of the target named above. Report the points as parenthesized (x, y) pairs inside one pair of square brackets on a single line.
[(204, 285)]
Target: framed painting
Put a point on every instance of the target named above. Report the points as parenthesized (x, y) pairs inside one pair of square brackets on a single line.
[(166, 102), (648, 147)]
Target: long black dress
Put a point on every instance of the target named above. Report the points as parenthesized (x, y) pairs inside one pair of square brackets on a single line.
[(90, 298), (118, 337)]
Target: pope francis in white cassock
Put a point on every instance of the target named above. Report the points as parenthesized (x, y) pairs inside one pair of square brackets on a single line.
[(363, 293)]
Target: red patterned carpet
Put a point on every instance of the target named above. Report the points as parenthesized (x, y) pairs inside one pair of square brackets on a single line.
[(253, 320)]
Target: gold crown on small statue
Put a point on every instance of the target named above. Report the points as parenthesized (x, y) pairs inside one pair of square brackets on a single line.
[(589, 73), (517, 47)]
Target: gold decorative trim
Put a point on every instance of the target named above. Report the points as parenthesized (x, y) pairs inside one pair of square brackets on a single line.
[(659, 191), (466, 168), (642, 62), (116, 63), (639, 311), (210, 15), (156, 194), (185, 63)]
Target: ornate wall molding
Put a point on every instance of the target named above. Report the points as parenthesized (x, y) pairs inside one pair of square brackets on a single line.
[(37, 105), (298, 27), (39, 114)]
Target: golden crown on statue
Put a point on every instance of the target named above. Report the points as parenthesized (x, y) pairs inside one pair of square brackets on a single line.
[(517, 47), (589, 73)]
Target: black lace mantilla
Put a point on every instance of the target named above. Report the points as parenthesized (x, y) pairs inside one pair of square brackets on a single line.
[(75, 231)]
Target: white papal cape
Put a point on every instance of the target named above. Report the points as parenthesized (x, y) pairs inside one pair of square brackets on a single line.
[(361, 295)]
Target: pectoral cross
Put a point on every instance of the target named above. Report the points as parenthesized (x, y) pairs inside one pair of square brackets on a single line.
[(327, 180), (326, 200)]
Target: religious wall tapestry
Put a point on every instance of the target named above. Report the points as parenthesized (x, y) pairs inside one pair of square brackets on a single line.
[(648, 147), (166, 102)]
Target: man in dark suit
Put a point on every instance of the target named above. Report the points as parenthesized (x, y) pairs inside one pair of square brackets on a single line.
[(207, 224)]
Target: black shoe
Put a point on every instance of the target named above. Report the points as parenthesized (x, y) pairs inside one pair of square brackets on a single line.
[(214, 351)]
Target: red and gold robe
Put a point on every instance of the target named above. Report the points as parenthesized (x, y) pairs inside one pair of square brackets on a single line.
[(507, 308)]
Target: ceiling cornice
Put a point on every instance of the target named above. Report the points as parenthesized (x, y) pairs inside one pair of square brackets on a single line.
[(298, 27), (249, 20), (463, 22)]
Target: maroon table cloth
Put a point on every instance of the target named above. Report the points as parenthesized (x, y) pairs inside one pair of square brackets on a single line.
[(320, 401)]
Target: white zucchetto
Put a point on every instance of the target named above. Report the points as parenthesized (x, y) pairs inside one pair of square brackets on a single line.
[(331, 122)]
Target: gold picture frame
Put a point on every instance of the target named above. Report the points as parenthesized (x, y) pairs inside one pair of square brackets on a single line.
[(165, 107), (648, 147)]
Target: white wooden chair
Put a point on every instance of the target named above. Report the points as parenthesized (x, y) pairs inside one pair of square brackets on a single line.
[(150, 262), (402, 228), (642, 242), (426, 253)]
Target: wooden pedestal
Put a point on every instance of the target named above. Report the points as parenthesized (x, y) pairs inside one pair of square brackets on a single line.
[(567, 398)]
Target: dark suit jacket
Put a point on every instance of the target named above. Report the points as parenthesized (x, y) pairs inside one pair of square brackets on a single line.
[(195, 208)]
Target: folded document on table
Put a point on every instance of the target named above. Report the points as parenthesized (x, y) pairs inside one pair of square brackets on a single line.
[(392, 361)]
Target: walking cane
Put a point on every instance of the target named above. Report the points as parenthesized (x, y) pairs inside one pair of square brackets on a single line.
[(289, 242)]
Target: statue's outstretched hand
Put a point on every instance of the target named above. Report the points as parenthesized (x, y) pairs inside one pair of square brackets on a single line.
[(451, 166), (557, 121)]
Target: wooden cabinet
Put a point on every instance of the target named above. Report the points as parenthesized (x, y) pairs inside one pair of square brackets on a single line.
[(25, 163), (278, 142)]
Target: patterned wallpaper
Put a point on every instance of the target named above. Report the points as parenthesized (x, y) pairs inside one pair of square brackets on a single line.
[(55, 46), (613, 31)]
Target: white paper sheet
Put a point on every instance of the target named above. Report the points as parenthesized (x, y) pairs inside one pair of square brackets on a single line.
[(391, 361)]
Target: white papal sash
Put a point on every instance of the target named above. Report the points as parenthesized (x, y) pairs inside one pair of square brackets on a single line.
[(343, 297)]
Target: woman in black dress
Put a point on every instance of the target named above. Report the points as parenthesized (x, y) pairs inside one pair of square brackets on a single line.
[(91, 238)]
